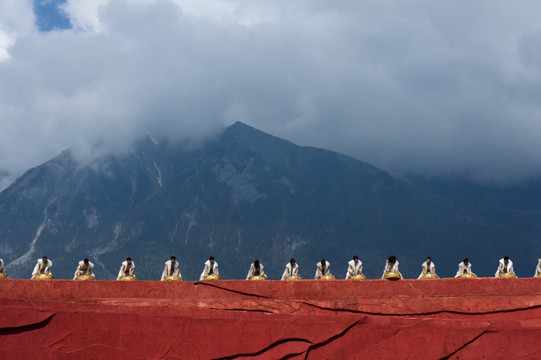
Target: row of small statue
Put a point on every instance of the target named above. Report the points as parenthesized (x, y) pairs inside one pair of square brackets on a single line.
[(171, 271)]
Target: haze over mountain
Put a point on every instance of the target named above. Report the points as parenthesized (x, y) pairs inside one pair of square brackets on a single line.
[(244, 195), (416, 87)]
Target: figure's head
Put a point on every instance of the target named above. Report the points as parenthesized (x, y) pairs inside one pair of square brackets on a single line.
[(392, 259), (128, 260), (211, 259), (466, 261), (292, 261), (256, 263), (355, 258), (428, 260), (323, 262), (44, 259), (173, 259), (85, 261), (506, 259)]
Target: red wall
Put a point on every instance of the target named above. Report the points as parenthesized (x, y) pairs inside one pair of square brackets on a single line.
[(373, 319)]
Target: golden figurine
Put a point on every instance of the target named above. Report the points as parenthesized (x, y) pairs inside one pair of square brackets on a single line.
[(393, 275), (86, 277), (212, 277), (430, 276), (508, 276), (293, 277), (467, 276), (327, 277), (258, 278), (172, 278), (127, 278), (44, 277)]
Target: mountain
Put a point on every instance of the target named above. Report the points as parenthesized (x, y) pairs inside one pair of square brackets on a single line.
[(244, 195)]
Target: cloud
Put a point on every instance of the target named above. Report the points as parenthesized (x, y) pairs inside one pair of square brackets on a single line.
[(14, 20), (84, 15), (421, 87)]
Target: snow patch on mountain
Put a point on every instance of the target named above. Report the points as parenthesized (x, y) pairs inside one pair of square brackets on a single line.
[(287, 183), (159, 177), (91, 217), (241, 183), (26, 257)]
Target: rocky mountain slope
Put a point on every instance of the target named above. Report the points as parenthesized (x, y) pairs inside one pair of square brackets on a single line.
[(245, 195)]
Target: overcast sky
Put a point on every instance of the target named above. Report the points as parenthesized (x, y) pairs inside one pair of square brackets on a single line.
[(427, 87)]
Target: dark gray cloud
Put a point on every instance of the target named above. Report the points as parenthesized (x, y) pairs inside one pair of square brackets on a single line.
[(419, 86)]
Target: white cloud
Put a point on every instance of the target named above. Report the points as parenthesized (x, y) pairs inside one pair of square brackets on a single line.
[(16, 19), (84, 15), (6, 41), (421, 86)]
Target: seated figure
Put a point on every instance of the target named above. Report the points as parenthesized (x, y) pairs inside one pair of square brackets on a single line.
[(3, 275), (291, 271), (323, 271), (464, 270), (355, 269), (127, 271), (171, 271), (505, 269), (429, 270), (391, 269), (42, 270), (256, 272), (84, 271), (210, 271)]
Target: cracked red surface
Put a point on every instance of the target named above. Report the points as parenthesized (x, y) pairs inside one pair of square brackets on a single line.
[(377, 319)]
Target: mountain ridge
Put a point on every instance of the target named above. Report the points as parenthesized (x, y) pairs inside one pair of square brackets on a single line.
[(244, 195)]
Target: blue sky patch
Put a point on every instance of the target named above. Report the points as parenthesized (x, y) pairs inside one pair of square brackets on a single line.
[(49, 16)]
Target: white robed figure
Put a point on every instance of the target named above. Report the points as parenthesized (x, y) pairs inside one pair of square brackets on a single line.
[(428, 269), (391, 268), (323, 268), (256, 269), (85, 268), (126, 269), (171, 269), (464, 268), (538, 269), (43, 267), (355, 268), (2, 273), (291, 270), (211, 268), (505, 266)]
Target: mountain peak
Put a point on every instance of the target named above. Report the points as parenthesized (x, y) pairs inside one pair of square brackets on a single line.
[(256, 140), (241, 129)]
